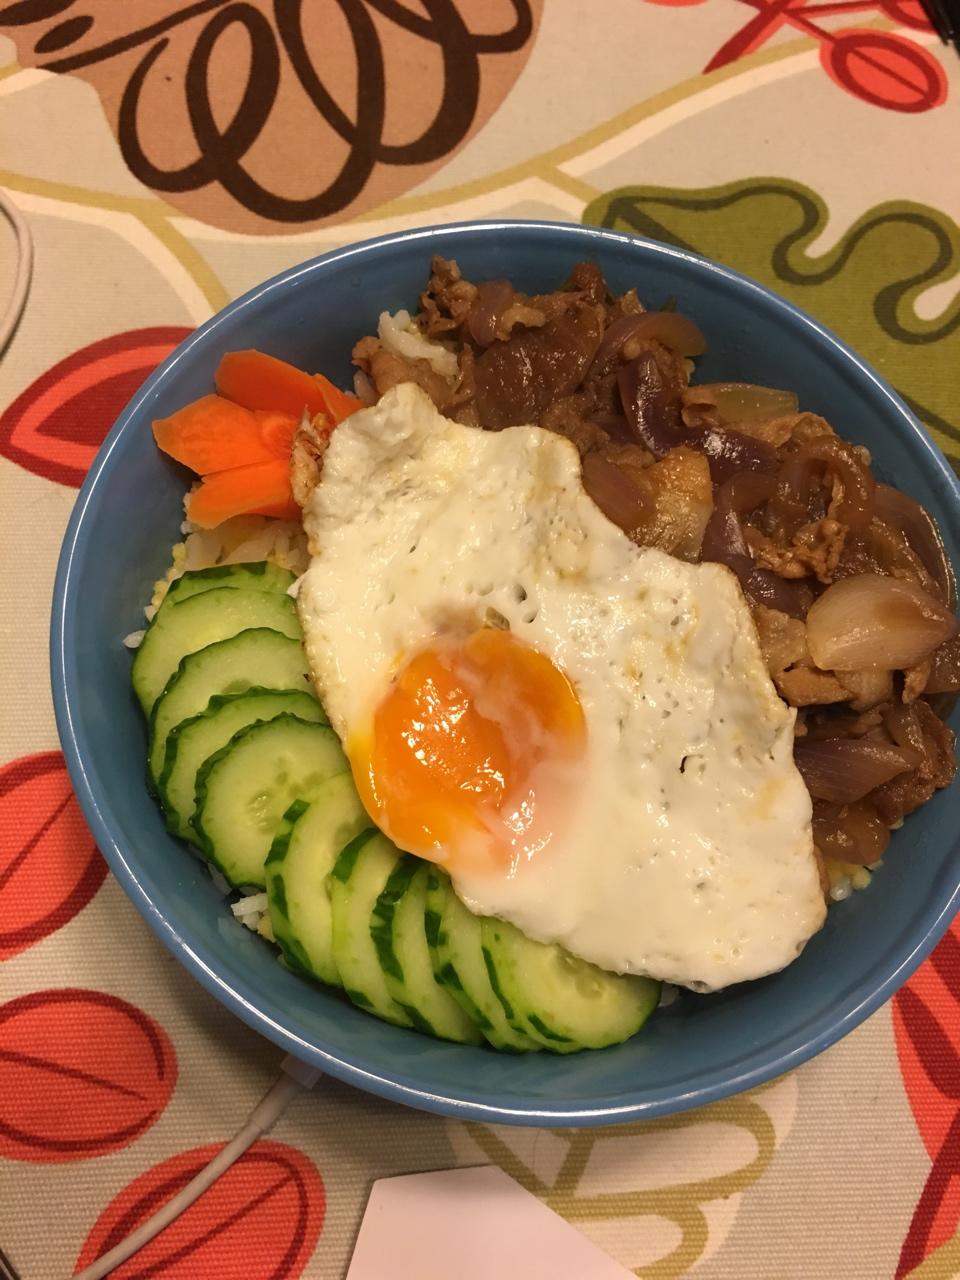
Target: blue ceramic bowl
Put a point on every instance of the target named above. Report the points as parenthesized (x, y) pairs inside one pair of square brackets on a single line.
[(126, 518)]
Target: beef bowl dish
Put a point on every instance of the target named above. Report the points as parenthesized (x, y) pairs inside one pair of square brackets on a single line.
[(542, 646)]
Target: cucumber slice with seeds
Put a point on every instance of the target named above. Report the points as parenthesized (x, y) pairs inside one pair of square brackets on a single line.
[(255, 657), (195, 740), (244, 790), (258, 575), (359, 876), (199, 621), (565, 1003), (398, 929), (453, 935), (297, 872)]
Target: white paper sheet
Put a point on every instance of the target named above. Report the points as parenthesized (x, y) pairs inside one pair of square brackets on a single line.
[(470, 1224)]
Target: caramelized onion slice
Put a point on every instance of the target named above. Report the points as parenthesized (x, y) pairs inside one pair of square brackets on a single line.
[(852, 833), (730, 452), (615, 494), (876, 622), (668, 327), (674, 330), (743, 402), (651, 405), (893, 555), (842, 770), (614, 336), (920, 530)]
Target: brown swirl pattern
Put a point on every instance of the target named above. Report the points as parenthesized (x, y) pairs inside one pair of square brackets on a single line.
[(278, 115)]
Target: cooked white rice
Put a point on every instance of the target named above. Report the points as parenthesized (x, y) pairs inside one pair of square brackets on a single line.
[(241, 540), (399, 334), (252, 910)]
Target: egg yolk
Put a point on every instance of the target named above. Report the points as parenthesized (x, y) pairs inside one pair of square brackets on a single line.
[(470, 757)]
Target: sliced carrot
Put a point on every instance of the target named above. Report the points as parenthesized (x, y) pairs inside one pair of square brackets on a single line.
[(212, 433), (339, 404), (277, 431), (259, 381), (262, 489)]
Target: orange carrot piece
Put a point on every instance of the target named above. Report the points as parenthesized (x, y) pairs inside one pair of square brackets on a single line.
[(258, 381), (262, 489), (277, 431), (339, 404), (211, 434)]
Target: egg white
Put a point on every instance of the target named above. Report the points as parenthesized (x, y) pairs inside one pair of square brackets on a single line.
[(688, 855)]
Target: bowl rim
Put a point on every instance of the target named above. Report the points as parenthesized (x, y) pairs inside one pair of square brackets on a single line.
[(753, 1069)]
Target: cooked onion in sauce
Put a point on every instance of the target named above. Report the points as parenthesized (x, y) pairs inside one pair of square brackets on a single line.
[(742, 402), (876, 622)]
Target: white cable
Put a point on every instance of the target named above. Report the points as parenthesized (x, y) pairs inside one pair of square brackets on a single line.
[(296, 1077), (21, 281)]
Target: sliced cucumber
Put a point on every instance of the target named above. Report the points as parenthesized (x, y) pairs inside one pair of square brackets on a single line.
[(358, 878), (565, 1003), (201, 620), (195, 740), (255, 658), (453, 935), (298, 869), (244, 790), (258, 575), (398, 931)]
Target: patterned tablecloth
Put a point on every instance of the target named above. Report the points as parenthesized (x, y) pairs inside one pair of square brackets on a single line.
[(169, 155)]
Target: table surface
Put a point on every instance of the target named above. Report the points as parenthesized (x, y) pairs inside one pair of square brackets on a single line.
[(812, 147)]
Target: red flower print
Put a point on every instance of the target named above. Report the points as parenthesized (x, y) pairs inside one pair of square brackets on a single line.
[(927, 1030), (50, 867), (878, 67), (81, 1073), (56, 426), (259, 1221)]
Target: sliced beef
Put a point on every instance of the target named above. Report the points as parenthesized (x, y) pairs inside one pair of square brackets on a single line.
[(517, 380)]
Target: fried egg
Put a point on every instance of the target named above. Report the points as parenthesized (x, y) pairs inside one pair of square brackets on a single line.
[(581, 731)]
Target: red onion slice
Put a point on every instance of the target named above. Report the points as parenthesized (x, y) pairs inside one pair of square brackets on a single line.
[(614, 336), (668, 327), (724, 543), (651, 405), (729, 452), (652, 409), (920, 530), (842, 770)]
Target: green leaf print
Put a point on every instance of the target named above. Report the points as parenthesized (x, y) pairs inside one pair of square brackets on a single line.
[(865, 287)]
